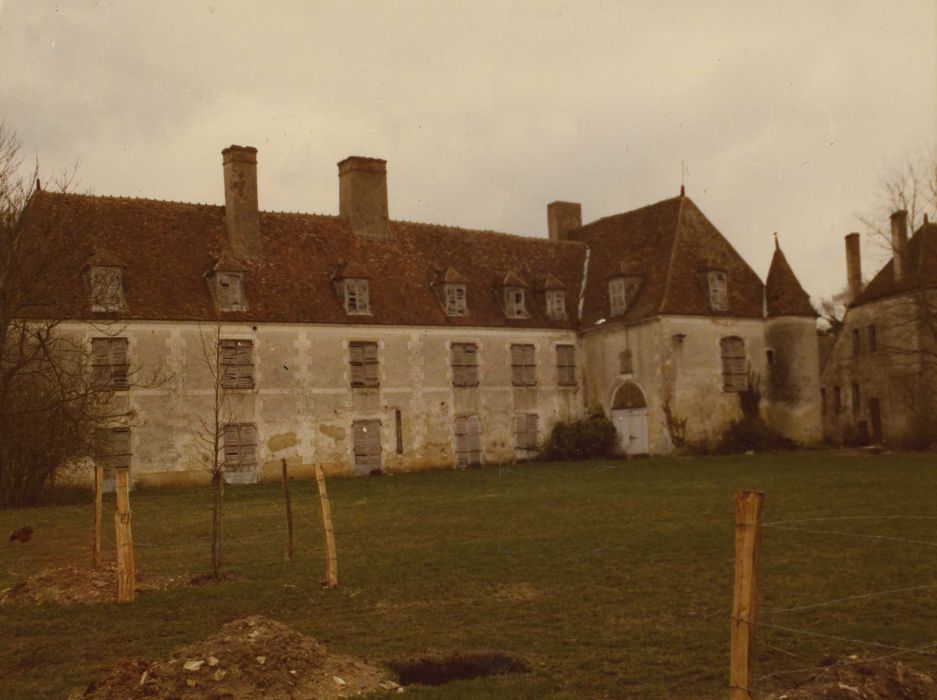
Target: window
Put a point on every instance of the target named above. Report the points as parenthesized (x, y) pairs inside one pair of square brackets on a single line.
[(873, 339), (107, 289), (718, 290), (525, 434), (856, 343), (823, 401), (240, 451), (856, 399), (109, 363), (566, 365), (237, 364), (837, 400), (229, 291), (616, 296), (468, 445), (455, 300), (734, 371), (114, 453), (367, 445), (523, 367), (356, 296), (363, 364), (464, 364), (556, 304), (769, 358), (625, 361), (514, 304)]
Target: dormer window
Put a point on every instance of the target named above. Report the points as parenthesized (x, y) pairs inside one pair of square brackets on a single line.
[(556, 304), (107, 289), (229, 291), (622, 292), (455, 296), (356, 295), (515, 305), (718, 290)]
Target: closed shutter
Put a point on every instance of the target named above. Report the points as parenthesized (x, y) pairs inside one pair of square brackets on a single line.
[(237, 364), (468, 446), (525, 430), (364, 364), (566, 365), (734, 369), (367, 445), (523, 369), (464, 364), (240, 447)]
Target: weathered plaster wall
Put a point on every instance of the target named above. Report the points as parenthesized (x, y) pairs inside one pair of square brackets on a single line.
[(303, 405), (791, 387)]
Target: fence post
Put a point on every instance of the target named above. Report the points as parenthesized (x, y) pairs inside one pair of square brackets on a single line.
[(289, 513), (331, 557), (98, 513), (126, 573), (748, 506)]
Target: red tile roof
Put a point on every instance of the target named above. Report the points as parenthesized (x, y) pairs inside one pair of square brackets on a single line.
[(783, 294), (921, 256)]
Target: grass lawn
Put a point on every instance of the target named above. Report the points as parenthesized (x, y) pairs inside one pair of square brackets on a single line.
[(613, 579)]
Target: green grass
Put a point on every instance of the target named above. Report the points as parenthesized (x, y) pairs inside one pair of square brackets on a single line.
[(613, 579)]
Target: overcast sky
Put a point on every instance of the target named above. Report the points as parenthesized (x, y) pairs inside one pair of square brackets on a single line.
[(785, 113)]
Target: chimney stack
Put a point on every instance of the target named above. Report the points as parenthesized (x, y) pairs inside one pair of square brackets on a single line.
[(563, 217), (241, 214), (362, 196), (853, 266), (899, 242)]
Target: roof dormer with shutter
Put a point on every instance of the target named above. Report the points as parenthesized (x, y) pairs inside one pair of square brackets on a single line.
[(551, 293), (106, 283), (351, 282), (451, 290), (623, 289), (513, 292), (226, 283)]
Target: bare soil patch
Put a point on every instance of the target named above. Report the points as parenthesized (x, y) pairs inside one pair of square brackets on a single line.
[(71, 585), (251, 658), (850, 678), (437, 669)]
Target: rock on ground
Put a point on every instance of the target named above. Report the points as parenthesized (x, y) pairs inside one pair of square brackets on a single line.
[(852, 678)]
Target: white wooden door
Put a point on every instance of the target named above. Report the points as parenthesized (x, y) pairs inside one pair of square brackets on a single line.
[(631, 424)]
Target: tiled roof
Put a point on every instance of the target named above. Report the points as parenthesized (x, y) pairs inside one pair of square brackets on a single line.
[(921, 256), (168, 247), (669, 245), (783, 294)]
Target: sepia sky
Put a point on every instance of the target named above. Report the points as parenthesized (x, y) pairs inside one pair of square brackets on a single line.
[(785, 114)]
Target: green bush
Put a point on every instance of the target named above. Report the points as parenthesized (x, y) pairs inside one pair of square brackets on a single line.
[(752, 434), (587, 438)]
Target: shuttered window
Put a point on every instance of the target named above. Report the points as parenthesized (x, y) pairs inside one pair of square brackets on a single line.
[(566, 365), (240, 447), (856, 399), (514, 302), (455, 300), (734, 369), (525, 432), (616, 296), (718, 290), (107, 289), (464, 364), (556, 304), (357, 297), (109, 363), (367, 445), (468, 442), (230, 291), (237, 364), (523, 367), (363, 357)]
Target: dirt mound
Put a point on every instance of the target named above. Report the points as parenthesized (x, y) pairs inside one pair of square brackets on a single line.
[(252, 658), (72, 584), (851, 678)]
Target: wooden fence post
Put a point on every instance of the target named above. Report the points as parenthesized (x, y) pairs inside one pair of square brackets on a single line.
[(289, 513), (126, 573), (748, 506), (331, 557), (98, 514)]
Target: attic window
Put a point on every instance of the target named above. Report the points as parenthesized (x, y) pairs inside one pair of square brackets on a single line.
[(356, 296), (455, 299), (622, 292), (514, 302), (556, 304), (107, 289), (229, 291), (718, 290)]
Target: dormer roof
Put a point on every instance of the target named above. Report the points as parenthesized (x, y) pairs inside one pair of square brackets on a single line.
[(550, 283), (449, 276), (513, 279), (350, 271), (104, 258)]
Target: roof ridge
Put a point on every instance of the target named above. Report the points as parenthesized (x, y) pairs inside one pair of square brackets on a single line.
[(631, 211), (484, 231), (128, 198)]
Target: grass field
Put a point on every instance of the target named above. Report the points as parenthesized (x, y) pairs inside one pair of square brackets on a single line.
[(613, 579)]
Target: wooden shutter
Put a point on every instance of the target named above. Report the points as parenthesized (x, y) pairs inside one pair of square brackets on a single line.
[(474, 440), (464, 364), (367, 444), (566, 365), (531, 431), (734, 370), (244, 359), (248, 439), (364, 364), (530, 377)]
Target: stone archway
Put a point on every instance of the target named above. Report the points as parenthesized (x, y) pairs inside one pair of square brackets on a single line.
[(629, 414)]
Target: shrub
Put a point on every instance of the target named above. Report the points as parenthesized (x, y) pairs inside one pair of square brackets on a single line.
[(587, 438), (752, 434)]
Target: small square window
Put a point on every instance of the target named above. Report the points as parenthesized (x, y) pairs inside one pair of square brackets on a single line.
[(356, 296), (514, 302)]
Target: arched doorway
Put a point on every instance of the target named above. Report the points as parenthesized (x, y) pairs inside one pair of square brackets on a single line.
[(629, 414)]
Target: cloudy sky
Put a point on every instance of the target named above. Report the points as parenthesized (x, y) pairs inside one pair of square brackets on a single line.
[(785, 114)]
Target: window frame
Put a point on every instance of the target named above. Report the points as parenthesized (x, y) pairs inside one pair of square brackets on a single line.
[(526, 439), (523, 364), (455, 296), (110, 365), (356, 296), (617, 296), (369, 454), (107, 288), (364, 354), (556, 304), (243, 447), (463, 358), (734, 364), (515, 302), (566, 365), (236, 363), (229, 290), (467, 446)]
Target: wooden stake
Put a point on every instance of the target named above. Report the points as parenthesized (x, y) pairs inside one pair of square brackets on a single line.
[(98, 514), (331, 557), (289, 513), (748, 506), (126, 573)]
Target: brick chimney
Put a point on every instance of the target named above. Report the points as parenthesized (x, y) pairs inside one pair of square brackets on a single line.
[(853, 266), (563, 217), (241, 214), (899, 242), (362, 196)]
